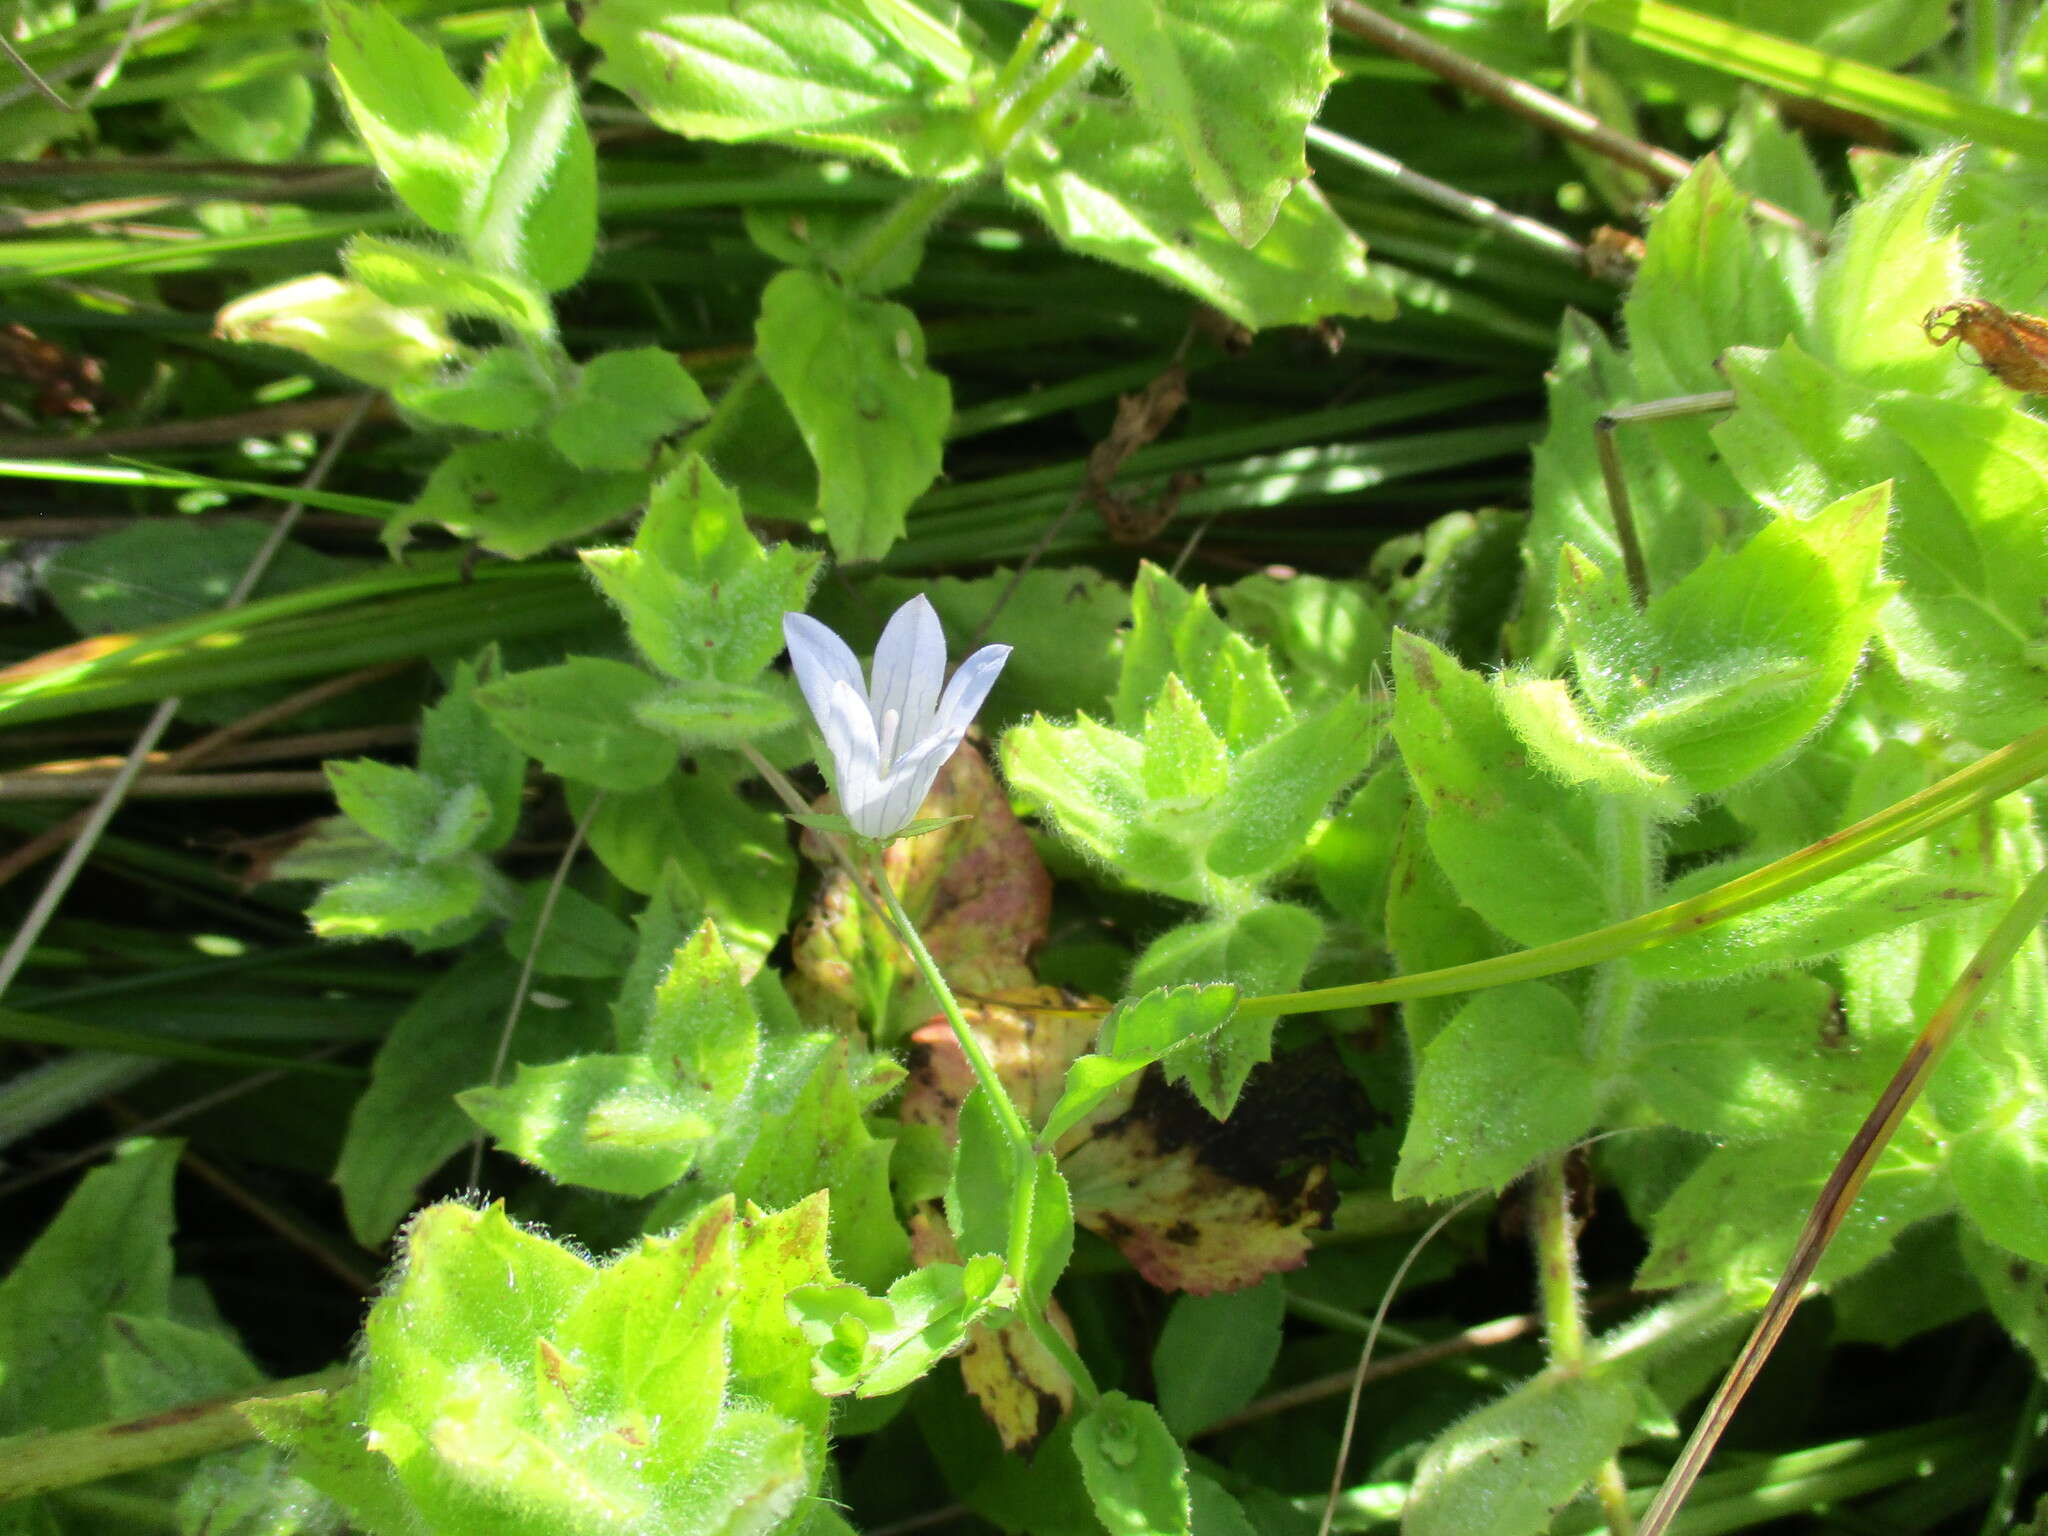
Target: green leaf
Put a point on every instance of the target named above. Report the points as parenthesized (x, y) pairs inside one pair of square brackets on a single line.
[(984, 1182), (323, 1431), (1280, 788), (1509, 1467), (1960, 629), (534, 213), (1767, 159), (2016, 1290), (633, 1125), (833, 77), (871, 1346), (1886, 269), (1134, 1469), (406, 811), (733, 858), (702, 1021), (801, 1127), (620, 1124), (823, 238), (1136, 1034), (1213, 786), (264, 119), (2000, 1162), (622, 406), (410, 109), (1048, 1235), (1545, 715), (1739, 662), (1236, 86), (701, 598), (398, 898), (506, 1374), (873, 415), (578, 720), (1175, 632), (414, 276), (1263, 950), (769, 1357), (1733, 1221), (704, 712), (160, 570), (1506, 1081), (581, 938), (517, 497), (407, 1123), (656, 1319), (1214, 1354), (156, 1363), (1522, 848), (1213, 1511), (1751, 1059), (107, 1250), (503, 390), (459, 745), (810, 1134), (1429, 927), (1713, 277), (1327, 636), (1114, 184), (1922, 1284)]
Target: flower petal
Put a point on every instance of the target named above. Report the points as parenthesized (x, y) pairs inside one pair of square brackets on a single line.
[(910, 663), (821, 659), (897, 794), (965, 694), (850, 738)]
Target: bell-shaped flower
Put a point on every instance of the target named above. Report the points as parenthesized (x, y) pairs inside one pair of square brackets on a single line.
[(888, 736)]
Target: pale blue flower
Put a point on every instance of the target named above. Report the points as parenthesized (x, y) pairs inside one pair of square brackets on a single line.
[(889, 738)]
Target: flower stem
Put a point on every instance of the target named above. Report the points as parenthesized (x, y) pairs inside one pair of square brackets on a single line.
[(1014, 1129)]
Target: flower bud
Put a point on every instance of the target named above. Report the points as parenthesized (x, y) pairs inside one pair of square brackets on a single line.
[(344, 326)]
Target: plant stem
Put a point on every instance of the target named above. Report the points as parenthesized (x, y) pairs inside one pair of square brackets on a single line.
[(1026, 50), (1564, 1318), (1064, 1355), (1838, 1195), (1990, 778), (1067, 67), (910, 218), (1014, 1129), (36, 1464)]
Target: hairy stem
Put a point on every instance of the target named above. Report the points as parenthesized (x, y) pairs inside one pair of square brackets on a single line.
[(1564, 1318), (36, 1464)]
